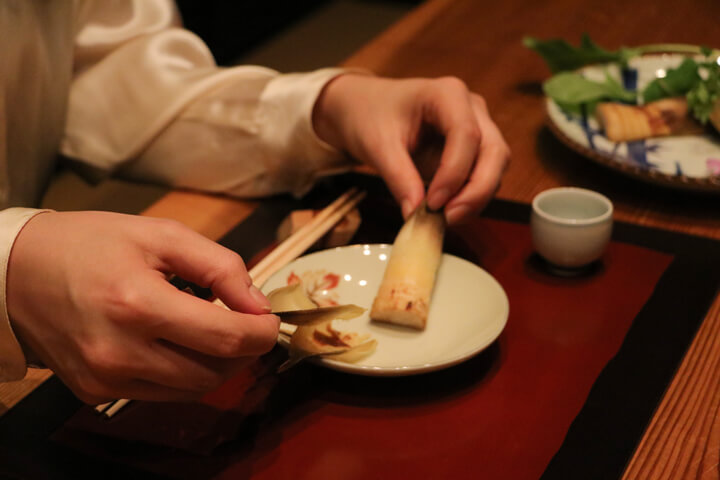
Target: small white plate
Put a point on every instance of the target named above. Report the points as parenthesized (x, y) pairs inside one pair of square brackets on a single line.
[(690, 162), (469, 309)]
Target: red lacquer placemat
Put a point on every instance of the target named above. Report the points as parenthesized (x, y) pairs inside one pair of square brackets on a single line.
[(503, 414)]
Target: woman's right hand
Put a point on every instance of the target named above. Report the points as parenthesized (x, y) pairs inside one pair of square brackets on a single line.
[(88, 293)]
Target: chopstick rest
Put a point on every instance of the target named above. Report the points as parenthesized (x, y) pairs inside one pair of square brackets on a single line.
[(339, 235)]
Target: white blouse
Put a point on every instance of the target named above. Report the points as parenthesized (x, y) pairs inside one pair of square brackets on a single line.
[(120, 87)]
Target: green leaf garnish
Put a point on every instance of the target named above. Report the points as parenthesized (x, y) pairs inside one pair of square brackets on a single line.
[(704, 95), (571, 90), (677, 81), (561, 56)]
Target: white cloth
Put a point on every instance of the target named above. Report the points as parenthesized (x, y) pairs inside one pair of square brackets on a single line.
[(120, 87)]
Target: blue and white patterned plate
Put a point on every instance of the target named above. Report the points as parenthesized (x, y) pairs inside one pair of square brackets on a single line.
[(687, 162)]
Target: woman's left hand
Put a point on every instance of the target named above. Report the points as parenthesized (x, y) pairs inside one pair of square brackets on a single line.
[(381, 122)]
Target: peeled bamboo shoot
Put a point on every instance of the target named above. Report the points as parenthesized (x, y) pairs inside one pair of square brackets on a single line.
[(404, 294)]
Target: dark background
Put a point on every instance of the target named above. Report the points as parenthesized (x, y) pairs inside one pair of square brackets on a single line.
[(232, 28)]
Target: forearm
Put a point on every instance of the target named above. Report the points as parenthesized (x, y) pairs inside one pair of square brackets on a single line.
[(249, 137), (148, 101)]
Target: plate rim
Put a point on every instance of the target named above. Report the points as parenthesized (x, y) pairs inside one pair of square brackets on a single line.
[(417, 369)]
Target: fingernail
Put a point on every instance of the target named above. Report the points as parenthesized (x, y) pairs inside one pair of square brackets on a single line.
[(407, 207), (438, 198), (260, 299), (456, 214)]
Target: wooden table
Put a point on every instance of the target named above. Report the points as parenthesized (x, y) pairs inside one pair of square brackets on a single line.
[(480, 42)]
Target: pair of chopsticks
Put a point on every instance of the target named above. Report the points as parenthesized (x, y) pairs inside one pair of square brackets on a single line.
[(287, 251), (306, 236)]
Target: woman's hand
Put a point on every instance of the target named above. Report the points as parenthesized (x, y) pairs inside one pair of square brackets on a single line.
[(381, 122), (88, 293)]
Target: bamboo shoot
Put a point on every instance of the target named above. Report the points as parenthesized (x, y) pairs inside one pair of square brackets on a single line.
[(404, 294)]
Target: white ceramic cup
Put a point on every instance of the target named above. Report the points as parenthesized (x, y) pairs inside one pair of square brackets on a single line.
[(571, 226)]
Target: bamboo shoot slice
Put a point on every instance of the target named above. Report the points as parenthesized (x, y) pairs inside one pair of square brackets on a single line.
[(625, 123), (291, 297)]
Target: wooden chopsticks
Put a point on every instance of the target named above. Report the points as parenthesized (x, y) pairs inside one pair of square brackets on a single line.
[(305, 237), (287, 251)]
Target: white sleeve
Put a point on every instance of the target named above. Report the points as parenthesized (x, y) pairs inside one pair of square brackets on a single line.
[(12, 359), (148, 101)]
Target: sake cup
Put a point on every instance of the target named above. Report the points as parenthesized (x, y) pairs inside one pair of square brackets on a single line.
[(570, 226)]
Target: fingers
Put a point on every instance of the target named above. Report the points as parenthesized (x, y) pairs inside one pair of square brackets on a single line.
[(484, 180), (451, 113), (148, 370), (475, 153), (401, 177), (208, 264), (382, 119), (204, 327)]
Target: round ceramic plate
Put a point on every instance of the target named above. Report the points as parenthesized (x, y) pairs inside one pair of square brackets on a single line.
[(468, 311), (687, 162)]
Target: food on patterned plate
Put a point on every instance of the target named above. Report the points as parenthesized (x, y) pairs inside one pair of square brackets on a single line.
[(689, 92), (626, 123)]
